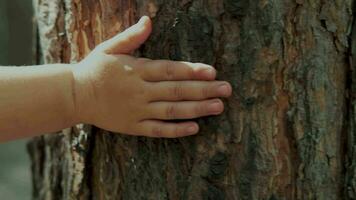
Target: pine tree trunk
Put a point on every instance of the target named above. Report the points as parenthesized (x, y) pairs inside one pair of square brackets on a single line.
[(288, 131)]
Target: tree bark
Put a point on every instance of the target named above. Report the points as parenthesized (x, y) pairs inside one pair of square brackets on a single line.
[(288, 131)]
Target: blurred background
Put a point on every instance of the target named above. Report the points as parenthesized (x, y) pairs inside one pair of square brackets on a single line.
[(16, 36)]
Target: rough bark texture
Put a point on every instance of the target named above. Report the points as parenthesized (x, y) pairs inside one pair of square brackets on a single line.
[(288, 131)]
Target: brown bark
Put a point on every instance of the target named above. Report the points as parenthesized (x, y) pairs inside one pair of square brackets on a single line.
[(288, 131)]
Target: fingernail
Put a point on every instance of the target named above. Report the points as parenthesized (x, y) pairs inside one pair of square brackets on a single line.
[(142, 20), (208, 72), (215, 107), (191, 129), (223, 89)]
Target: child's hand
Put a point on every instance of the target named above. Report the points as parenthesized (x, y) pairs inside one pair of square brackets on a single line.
[(121, 93)]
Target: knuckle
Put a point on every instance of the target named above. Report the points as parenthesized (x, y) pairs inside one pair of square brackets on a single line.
[(177, 91), (157, 131), (199, 109), (205, 92), (143, 92), (171, 112), (176, 132), (169, 70)]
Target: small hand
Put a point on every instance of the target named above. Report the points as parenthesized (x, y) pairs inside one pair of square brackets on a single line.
[(137, 96)]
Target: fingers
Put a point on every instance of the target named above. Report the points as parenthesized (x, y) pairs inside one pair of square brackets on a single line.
[(188, 90), (130, 39), (165, 70), (185, 109), (157, 128)]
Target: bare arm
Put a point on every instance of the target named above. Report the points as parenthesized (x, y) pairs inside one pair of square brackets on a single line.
[(35, 100)]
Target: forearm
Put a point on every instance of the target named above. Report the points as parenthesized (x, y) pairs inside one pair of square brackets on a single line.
[(35, 100)]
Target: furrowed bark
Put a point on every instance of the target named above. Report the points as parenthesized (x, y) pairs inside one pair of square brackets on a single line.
[(287, 132)]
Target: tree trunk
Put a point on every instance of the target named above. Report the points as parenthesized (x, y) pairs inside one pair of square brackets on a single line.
[(288, 131)]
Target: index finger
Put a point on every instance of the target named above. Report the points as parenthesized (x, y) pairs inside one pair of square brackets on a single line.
[(166, 70)]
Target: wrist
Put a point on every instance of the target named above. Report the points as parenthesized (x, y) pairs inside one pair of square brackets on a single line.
[(82, 94)]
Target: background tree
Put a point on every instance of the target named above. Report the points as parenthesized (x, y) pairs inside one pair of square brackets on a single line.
[(288, 132)]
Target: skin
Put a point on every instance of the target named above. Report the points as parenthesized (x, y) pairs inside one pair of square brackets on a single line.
[(112, 90)]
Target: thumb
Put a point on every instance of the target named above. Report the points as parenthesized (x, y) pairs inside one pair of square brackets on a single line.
[(129, 40)]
